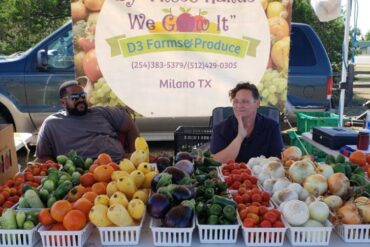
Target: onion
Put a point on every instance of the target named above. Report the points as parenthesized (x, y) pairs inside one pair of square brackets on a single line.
[(263, 176), (334, 202), (274, 169), (338, 184), (348, 214), (319, 211), (313, 223), (363, 205), (268, 184), (296, 212), (296, 187), (299, 170), (257, 169), (315, 184), (310, 199), (291, 153), (303, 195), (284, 195), (325, 170), (281, 183), (255, 161)]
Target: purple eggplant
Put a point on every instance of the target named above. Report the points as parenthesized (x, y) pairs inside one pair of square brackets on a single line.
[(163, 163), (161, 180), (158, 205), (186, 166), (178, 175), (183, 156), (177, 193), (180, 215)]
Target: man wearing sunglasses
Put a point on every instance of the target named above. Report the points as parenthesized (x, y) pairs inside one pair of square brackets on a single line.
[(88, 131)]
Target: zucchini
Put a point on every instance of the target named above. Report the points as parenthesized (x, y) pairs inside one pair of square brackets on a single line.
[(23, 203), (8, 219), (78, 162), (33, 199), (62, 159)]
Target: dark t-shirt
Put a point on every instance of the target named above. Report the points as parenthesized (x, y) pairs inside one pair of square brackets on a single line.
[(265, 139), (89, 135)]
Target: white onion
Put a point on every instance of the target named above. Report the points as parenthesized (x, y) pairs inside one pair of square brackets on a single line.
[(315, 184), (296, 187), (334, 202), (280, 184), (268, 184), (312, 223), (284, 195), (325, 170), (310, 199), (262, 176), (257, 169), (338, 184), (274, 169), (299, 170), (303, 195), (319, 211), (296, 212)]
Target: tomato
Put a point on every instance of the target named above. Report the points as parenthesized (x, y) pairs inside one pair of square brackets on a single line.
[(246, 198), (238, 199), (36, 171), (90, 66), (245, 176), (256, 198), (253, 179), (242, 191), (265, 223), (243, 213), (270, 216), (278, 224), (265, 196), (8, 204), (262, 210), (277, 212), (248, 222), (45, 217), (241, 206), (235, 185), (229, 180), (237, 177), (254, 217)]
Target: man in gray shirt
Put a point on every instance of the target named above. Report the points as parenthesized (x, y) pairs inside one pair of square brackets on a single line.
[(87, 131)]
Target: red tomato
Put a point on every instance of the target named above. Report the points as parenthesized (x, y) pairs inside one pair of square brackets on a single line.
[(235, 185), (265, 224), (246, 198), (238, 199), (237, 177), (270, 216), (241, 206), (248, 223), (86, 44), (278, 224)]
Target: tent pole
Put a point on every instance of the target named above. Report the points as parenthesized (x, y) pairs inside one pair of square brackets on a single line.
[(343, 81)]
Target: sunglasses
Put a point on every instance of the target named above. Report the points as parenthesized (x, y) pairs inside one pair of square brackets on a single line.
[(76, 96)]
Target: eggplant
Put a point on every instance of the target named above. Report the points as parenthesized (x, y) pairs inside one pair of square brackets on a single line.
[(186, 166), (178, 193), (161, 180), (178, 175), (158, 205), (183, 156), (163, 163), (180, 215)]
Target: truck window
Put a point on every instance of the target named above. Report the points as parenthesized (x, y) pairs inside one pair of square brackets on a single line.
[(302, 53), (60, 52)]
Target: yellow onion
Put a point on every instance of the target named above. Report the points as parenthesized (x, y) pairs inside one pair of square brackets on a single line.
[(291, 153), (348, 214), (334, 202), (315, 184), (363, 205), (338, 184)]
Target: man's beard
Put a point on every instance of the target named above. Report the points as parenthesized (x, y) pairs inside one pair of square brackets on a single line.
[(74, 110)]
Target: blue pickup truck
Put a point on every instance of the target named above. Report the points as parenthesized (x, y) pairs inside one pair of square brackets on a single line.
[(29, 82)]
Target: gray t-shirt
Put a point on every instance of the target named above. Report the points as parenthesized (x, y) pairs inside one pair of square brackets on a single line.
[(89, 135)]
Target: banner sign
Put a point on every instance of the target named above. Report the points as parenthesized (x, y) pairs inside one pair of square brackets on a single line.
[(170, 58)]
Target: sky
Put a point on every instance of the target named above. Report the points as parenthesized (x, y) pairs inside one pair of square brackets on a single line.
[(363, 21)]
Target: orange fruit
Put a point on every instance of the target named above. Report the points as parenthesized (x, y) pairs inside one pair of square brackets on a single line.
[(103, 173), (84, 205), (45, 217), (74, 220), (114, 166), (87, 179), (90, 195), (358, 157), (60, 209), (57, 227), (104, 159), (93, 166), (99, 188)]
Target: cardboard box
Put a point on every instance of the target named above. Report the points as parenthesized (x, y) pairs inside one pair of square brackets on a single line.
[(8, 155)]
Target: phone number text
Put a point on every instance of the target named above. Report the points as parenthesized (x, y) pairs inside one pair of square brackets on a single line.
[(190, 65)]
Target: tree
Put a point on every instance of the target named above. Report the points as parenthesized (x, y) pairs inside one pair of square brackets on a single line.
[(331, 33), (23, 23), (367, 36)]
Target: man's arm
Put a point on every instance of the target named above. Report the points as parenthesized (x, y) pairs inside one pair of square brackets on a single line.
[(130, 131)]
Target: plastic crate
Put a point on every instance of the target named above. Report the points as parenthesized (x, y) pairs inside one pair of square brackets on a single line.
[(165, 236), (297, 140), (188, 137), (307, 120), (115, 235), (310, 236), (354, 233), (18, 238), (217, 234), (65, 238)]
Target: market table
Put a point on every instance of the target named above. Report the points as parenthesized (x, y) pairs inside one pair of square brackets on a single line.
[(21, 139), (146, 239)]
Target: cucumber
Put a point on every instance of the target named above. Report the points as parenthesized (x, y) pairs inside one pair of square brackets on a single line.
[(76, 178), (63, 189), (62, 159), (78, 162), (33, 199), (8, 220), (23, 203)]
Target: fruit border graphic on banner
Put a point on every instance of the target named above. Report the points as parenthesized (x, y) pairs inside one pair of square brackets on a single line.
[(166, 58)]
